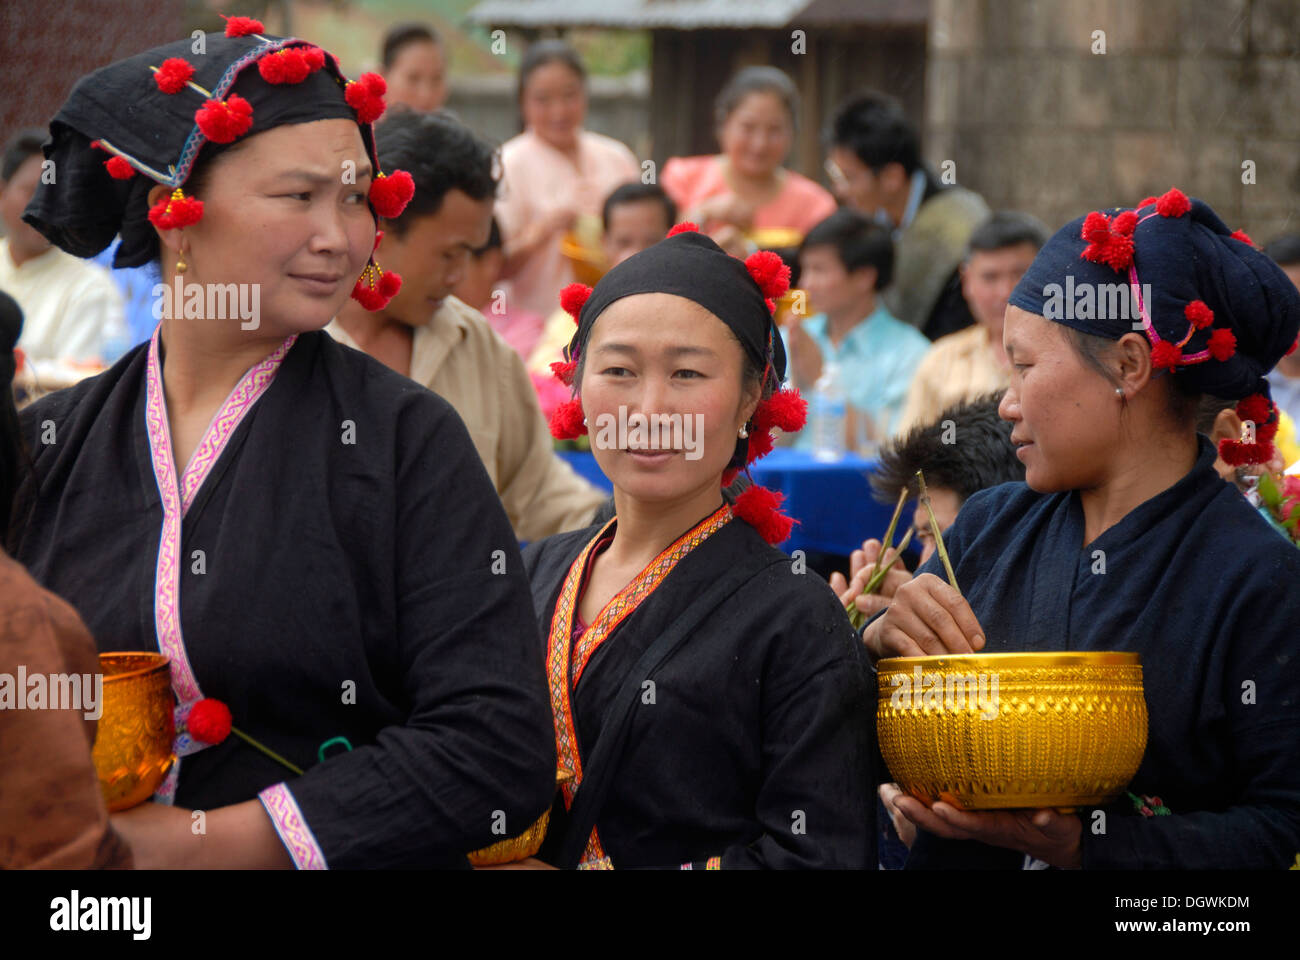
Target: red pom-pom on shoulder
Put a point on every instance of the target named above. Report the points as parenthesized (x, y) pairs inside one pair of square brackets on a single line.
[(1199, 313), (174, 73), (1243, 236), (365, 95), (1222, 345), (223, 121), (785, 409), (119, 169), (1173, 203), (391, 192), (685, 226), (573, 298), (209, 721), (759, 507), (769, 272), (566, 420), (242, 26)]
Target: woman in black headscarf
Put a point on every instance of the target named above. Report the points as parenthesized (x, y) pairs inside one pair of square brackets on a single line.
[(1124, 537), (708, 693), (310, 538)]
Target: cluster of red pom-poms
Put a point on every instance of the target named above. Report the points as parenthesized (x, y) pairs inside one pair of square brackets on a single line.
[(1110, 241), (209, 721), (175, 211), (365, 95), (1262, 413), (223, 121), (291, 65), (391, 192), (242, 26), (375, 287), (172, 76), (761, 509)]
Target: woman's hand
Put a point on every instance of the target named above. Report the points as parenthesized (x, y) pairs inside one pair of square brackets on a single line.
[(904, 827), (725, 208), (239, 836), (158, 835), (1046, 835), (861, 565), (926, 618)]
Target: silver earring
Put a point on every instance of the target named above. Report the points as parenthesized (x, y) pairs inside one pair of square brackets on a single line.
[(1119, 391), (584, 421), (743, 433)]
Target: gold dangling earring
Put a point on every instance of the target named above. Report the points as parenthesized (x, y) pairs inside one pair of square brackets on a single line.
[(181, 265)]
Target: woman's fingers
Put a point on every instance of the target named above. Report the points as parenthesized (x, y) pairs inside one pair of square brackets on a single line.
[(928, 617)]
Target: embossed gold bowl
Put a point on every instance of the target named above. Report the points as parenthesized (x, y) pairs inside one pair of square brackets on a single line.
[(521, 847), (1008, 730), (133, 742)]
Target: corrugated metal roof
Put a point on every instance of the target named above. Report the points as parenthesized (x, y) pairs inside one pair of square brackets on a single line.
[(695, 14)]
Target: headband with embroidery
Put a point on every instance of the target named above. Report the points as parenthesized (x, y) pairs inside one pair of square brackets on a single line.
[(742, 294), (147, 119), (1218, 313)]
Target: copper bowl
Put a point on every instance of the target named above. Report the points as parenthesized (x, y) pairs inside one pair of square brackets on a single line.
[(133, 742), (1038, 729)]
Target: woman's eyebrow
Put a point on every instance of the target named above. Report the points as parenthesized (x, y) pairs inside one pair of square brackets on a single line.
[(316, 176)]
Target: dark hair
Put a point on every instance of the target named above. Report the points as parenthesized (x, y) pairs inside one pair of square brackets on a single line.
[(874, 126), (858, 240), (1208, 410), (1183, 400), (404, 35), (637, 192), (493, 240), (975, 454), (13, 456), (1285, 250), (23, 144), (757, 80), (539, 55), (1008, 228), (441, 154)]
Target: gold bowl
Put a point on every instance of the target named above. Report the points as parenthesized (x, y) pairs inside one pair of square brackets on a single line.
[(133, 742), (1007, 730), (587, 262)]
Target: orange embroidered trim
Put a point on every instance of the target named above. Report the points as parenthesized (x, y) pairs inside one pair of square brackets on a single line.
[(564, 665)]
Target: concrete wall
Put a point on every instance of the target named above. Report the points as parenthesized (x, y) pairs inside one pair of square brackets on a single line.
[(1186, 91)]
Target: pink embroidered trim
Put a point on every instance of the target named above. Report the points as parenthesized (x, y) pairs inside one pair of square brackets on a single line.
[(292, 828), (167, 621)]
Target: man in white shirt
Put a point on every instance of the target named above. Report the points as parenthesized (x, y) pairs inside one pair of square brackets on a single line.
[(69, 305)]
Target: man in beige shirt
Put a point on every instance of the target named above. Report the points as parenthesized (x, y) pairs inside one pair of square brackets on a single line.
[(965, 365), (429, 335)]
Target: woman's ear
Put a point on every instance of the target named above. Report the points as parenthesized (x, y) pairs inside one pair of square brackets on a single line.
[(1131, 362), (1227, 426)]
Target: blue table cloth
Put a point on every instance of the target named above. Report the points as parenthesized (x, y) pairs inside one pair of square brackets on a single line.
[(832, 502)]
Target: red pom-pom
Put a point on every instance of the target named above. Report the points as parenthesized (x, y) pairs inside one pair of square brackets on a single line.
[(1146, 202), (1166, 355), (759, 507), (1237, 454), (1125, 223), (573, 298), (209, 721), (769, 272), (564, 371), (1096, 227), (175, 211), (1255, 408), (684, 227), (222, 121), (242, 26), (389, 284), (172, 76), (785, 409), (1173, 203), (375, 287), (286, 66), (390, 193), (1200, 315), (1243, 236), (1223, 344), (314, 56), (119, 169), (566, 420), (365, 95), (759, 446)]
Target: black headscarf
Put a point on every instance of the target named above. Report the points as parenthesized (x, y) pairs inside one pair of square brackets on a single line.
[(156, 132)]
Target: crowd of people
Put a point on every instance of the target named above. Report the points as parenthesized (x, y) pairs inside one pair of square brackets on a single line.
[(358, 488)]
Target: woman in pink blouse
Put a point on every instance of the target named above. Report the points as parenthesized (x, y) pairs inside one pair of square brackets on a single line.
[(552, 173), (745, 187)]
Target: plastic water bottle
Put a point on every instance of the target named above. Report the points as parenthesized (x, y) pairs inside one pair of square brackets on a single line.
[(828, 413)]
